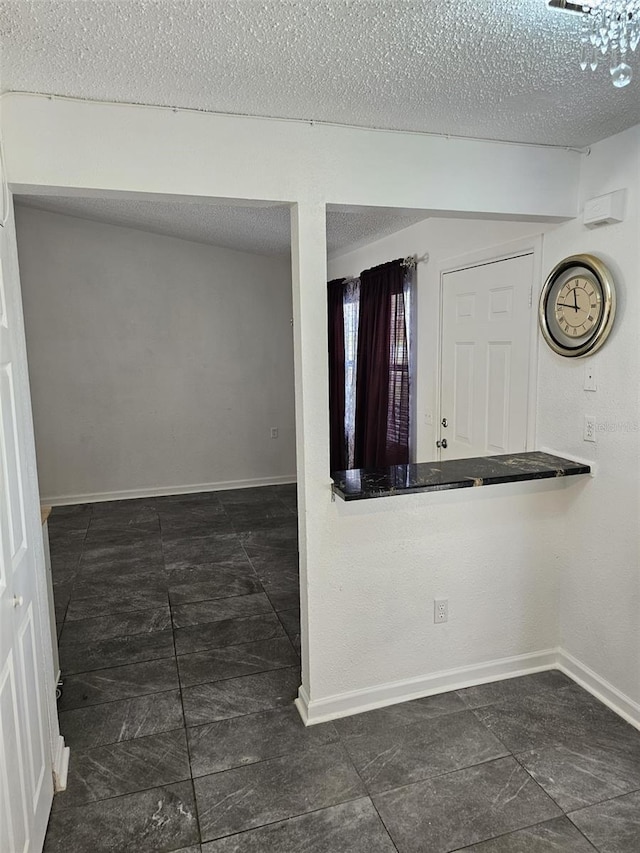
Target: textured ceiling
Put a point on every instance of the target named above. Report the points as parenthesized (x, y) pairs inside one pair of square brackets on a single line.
[(264, 229), (496, 69)]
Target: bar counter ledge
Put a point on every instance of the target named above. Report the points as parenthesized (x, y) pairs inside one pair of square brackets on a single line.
[(365, 483)]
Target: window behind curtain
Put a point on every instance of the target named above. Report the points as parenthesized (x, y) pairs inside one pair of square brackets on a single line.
[(370, 371), (399, 410), (351, 305), (382, 420)]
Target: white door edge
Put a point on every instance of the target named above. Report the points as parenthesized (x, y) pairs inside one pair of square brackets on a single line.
[(34, 524), (27, 633)]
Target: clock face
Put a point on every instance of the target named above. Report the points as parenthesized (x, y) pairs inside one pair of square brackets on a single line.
[(577, 306)]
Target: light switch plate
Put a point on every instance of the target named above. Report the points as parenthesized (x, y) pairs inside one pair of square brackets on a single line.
[(590, 378)]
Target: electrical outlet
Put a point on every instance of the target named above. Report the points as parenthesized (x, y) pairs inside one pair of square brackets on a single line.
[(274, 432), (590, 378), (589, 428), (441, 610)]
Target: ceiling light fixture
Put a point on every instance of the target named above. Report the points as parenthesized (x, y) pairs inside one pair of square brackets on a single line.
[(608, 27)]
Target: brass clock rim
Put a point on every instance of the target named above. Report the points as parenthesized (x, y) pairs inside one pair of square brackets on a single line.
[(605, 323)]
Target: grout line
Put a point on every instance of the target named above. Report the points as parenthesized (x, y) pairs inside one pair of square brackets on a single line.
[(184, 715), (440, 775), (125, 699), (124, 741), (513, 754), (514, 831), (276, 757), (284, 820), (179, 685), (86, 803), (250, 713), (601, 802), (224, 618), (162, 787), (89, 749), (77, 572), (164, 656), (366, 788), (117, 612), (531, 776), (144, 633), (237, 642), (592, 843), (386, 828), (236, 677), (220, 649)]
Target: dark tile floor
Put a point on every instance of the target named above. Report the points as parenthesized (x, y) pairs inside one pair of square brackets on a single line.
[(179, 643)]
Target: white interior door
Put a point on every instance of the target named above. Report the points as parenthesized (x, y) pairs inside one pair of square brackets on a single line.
[(486, 339), (26, 781)]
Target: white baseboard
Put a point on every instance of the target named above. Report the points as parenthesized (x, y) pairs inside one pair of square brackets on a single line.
[(302, 704), (60, 766), (159, 491), (356, 701), (599, 687)]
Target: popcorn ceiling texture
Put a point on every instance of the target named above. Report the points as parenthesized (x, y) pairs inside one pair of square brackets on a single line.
[(495, 69), (263, 230)]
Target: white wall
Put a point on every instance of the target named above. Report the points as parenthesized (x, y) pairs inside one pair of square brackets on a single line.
[(444, 240), (156, 364), (371, 570), (599, 541), (58, 142), (490, 552), (590, 574)]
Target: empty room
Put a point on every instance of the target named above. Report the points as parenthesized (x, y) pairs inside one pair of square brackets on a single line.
[(319, 427)]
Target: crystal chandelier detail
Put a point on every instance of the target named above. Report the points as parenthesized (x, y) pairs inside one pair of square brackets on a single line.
[(613, 27), (609, 28)]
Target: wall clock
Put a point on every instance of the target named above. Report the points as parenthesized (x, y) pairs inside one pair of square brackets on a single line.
[(577, 306)]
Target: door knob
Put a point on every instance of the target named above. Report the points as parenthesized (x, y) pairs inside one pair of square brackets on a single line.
[(443, 444), (445, 422), (18, 601)]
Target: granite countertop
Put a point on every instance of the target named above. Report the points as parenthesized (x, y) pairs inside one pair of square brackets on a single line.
[(366, 483)]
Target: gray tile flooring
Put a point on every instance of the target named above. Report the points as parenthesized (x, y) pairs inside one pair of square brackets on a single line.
[(179, 643)]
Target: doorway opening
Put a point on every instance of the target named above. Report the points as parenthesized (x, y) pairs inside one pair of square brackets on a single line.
[(448, 248), (159, 337)]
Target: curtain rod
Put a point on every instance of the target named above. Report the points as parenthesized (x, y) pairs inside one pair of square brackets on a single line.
[(412, 261)]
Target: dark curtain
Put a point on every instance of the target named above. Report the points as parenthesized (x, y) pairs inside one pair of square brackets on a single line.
[(382, 385), (337, 437)]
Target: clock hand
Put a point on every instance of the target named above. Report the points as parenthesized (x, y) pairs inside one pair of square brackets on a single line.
[(575, 299), (564, 305)]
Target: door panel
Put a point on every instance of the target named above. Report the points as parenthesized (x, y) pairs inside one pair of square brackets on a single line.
[(498, 385), (14, 798), (486, 334), (463, 385), (26, 779), (31, 706), (12, 480)]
